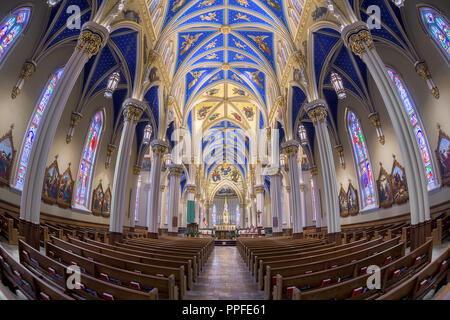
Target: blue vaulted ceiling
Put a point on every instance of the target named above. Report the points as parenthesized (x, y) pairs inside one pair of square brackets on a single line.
[(244, 51)]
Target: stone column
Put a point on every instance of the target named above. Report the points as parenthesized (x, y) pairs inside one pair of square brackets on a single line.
[(275, 204), (259, 190), (318, 114), (174, 195), (290, 148), (132, 112), (253, 210), (197, 209), (159, 147), (358, 38), (164, 212), (92, 39), (302, 192), (135, 206), (316, 198)]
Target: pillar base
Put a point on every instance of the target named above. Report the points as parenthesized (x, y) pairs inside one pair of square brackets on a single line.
[(334, 237), (277, 234), (152, 235), (428, 228), (31, 233), (297, 235), (115, 237), (173, 234)]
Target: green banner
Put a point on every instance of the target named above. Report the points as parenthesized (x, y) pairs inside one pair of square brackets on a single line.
[(190, 211)]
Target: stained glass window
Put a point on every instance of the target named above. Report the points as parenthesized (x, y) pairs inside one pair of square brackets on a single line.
[(136, 202), (438, 27), (364, 168), (83, 182), (11, 28), (417, 126), (34, 126), (214, 210)]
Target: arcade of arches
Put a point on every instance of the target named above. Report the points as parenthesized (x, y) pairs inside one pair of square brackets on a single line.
[(233, 119)]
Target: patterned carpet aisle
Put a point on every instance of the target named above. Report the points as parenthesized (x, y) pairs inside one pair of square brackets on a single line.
[(225, 277)]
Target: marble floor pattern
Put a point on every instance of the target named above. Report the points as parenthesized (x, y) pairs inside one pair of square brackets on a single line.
[(225, 276)]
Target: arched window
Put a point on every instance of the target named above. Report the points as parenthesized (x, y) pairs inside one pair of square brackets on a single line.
[(438, 27), (83, 183), (136, 201), (11, 28), (417, 126), (33, 127), (362, 161), (214, 215)]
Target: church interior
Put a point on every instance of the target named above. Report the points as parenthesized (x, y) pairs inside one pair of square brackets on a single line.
[(225, 150)]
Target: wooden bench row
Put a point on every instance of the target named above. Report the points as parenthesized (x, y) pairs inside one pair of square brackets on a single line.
[(88, 287), (357, 288)]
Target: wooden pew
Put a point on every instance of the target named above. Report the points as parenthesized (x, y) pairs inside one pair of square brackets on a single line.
[(356, 288), (287, 278), (431, 277), (338, 256), (183, 278), (91, 288), (165, 285), (28, 283), (8, 230)]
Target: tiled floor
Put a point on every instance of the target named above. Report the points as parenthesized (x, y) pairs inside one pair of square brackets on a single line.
[(225, 276)]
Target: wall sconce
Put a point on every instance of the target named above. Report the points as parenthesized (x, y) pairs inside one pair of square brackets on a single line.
[(74, 121), (338, 85), (111, 148), (302, 134), (113, 82), (340, 151), (375, 120), (147, 134)]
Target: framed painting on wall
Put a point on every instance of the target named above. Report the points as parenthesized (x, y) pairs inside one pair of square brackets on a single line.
[(7, 155), (106, 207), (97, 200), (65, 190), (443, 154), (353, 202), (343, 202), (51, 184), (384, 189), (399, 183)]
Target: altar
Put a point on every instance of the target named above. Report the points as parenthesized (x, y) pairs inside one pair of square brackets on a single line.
[(227, 228)]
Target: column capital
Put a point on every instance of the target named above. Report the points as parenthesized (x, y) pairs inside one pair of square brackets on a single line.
[(191, 188), (159, 147), (317, 110), (314, 171), (92, 38), (176, 170), (137, 170), (133, 109), (290, 148), (259, 188), (357, 37)]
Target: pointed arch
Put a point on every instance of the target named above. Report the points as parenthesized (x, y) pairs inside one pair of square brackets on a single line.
[(87, 163), (33, 127), (417, 126), (362, 161), (11, 27)]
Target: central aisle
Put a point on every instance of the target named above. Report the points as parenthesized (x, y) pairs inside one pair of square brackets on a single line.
[(225, 277)]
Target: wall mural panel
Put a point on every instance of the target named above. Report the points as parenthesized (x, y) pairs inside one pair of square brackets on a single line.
[(399, 183), (65, 190), (97, 200), (443, 154), (384, 189), (51, 184), (343, 202), (7, 156), (353, 202)]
